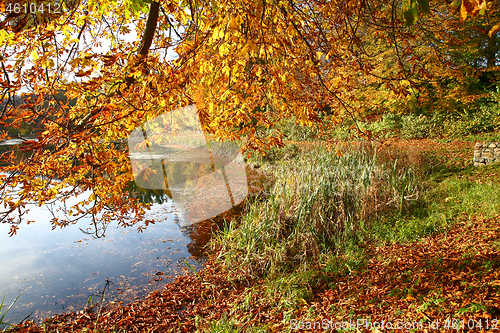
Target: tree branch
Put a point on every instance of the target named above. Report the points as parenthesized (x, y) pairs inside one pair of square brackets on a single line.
[(147, 37), (150, 29)]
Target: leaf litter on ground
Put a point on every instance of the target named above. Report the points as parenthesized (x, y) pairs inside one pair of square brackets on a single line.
[(452, 279)]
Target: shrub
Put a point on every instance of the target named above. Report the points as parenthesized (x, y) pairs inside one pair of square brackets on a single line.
[(481, 119), (273, 155), (388, 126), (296, 132), (319, 201), (415, 127)]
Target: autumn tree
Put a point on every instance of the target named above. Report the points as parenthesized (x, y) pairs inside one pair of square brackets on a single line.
[(458, 52), (243, 63)]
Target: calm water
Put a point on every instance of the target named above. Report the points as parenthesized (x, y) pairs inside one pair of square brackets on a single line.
[(59, 270), (66, 269)]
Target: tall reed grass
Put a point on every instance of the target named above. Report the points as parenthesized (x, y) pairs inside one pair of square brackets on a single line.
[(318, 203), (3, 313)]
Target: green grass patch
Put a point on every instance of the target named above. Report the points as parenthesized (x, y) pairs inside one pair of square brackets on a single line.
[(325, 212), (320, 203), (4, 309)]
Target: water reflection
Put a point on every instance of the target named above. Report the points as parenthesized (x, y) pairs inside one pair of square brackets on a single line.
[(204, 177), (158, 196), (187, 179), (13, 145), (57, 270)]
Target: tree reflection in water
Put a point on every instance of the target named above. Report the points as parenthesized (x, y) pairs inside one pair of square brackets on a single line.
[(201, 232), (172, 151)]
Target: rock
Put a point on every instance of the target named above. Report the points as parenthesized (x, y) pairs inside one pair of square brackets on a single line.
[(479, 160), (486, 153)]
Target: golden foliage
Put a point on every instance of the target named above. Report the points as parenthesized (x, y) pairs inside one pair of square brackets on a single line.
[(246, 64)]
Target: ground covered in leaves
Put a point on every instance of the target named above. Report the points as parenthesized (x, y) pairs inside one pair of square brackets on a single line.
[(447, 282), (443, 282)]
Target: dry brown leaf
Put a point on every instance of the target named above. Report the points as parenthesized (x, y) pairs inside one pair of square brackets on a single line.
[(494, 30)]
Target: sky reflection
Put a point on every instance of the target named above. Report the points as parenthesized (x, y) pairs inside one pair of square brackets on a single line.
[(56, 270)]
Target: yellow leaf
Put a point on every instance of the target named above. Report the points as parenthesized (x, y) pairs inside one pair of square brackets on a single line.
[(259, 72), (253, 46), (494, 30), (48, 63), (463, 12), (340, 153), (233, 24), (249, 47), (80, 21), (34, 55), (66, 31), (218, 33), (5, 36), (223, 50)]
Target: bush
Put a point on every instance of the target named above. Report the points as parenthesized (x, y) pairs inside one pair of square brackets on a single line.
[(448, 119), (297, 132), (273, 155), (484, 118), (415, 127), (318, 203), (388, 126)]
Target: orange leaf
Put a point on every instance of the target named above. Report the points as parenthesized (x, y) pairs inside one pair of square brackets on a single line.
[(472, 7), (82, 73), (494, 30), (13, 230)]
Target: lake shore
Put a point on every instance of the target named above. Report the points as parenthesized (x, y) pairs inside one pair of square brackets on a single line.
[(445, 278), (384, 292)]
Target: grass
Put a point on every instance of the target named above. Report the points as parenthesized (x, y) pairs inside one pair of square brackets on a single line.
[(48, 321), (316, 221), (324, 213), (319, 204), (3, 313), (228, 325), (441, 206)]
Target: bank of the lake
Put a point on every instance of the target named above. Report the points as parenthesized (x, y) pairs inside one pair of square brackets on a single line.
[(432, 257)]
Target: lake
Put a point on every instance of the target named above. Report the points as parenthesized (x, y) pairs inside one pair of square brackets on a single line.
[(61, 270), (64, 269)]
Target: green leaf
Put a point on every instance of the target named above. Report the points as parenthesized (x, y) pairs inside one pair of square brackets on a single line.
[(424, 7), (411, 14)]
